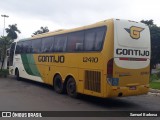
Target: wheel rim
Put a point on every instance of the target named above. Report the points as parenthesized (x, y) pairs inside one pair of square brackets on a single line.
[(71, 88)]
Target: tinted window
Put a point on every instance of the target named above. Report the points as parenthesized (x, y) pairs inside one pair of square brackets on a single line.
[(47, 44), (75, 41), (100, 34), (94, 39), (27, 47), (89, 40), (36, 46), (18, 48), (60, 43)]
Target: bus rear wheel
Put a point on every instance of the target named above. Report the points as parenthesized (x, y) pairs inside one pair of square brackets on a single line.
[(58, 85), (71, 88)]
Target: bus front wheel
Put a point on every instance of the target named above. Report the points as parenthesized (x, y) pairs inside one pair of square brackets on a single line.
[(58, 85), (71, 88)]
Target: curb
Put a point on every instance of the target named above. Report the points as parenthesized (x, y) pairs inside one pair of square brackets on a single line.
[(154, 92)]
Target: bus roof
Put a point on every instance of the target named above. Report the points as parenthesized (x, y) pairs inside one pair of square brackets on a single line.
[(63, 31)]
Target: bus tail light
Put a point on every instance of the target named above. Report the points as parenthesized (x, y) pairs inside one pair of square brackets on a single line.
[(110, 68), (112, 81)]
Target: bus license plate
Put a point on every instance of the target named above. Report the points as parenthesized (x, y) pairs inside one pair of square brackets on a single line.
[(132, 87)]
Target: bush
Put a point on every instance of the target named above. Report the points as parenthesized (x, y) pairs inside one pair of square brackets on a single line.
[(4, 73), (158, 75), (154, 77)]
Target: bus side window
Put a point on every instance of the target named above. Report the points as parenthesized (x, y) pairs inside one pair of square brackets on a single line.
[(47, 44), (18, 48), (24, 47), (79, 46), (36, 45), (28, 46), (75, 41), (60, 43), (89, 40), (99, 40)]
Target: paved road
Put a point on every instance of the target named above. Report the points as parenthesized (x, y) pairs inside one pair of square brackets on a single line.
[(30, 96)]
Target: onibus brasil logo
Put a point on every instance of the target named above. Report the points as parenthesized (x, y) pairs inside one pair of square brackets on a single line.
[(134, 31)]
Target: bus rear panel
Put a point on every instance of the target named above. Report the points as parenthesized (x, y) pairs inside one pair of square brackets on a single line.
[(129, 70)]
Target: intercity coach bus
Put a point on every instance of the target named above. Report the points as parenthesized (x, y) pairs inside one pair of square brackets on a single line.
[(110, 58)]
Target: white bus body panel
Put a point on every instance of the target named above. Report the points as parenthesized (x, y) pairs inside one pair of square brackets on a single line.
[(131, 40), (19, 64)]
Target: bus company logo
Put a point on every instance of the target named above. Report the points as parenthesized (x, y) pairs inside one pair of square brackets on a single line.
[(134, 31)]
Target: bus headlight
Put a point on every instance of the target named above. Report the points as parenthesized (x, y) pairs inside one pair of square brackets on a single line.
[(113, 81)]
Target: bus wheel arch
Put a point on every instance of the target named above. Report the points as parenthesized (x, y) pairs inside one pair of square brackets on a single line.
[(15, 71), (17, 74), (58, 83)]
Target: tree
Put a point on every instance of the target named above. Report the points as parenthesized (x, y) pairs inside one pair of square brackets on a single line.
[(12, 31), (42, 30), (155, 42), (5, 41), (148, 22), (4, 45)]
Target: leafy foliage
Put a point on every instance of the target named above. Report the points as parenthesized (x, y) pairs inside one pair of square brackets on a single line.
[(154, 77), (12, 31), (155, 42), (4, 45), (42, 30), (5, 41)]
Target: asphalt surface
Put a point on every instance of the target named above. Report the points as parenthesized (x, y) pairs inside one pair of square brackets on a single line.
[(31, 96)]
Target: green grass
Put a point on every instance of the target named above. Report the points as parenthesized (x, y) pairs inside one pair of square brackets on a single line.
[(155, 85)]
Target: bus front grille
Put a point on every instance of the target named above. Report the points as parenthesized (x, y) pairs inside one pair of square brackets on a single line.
[(92, 80)]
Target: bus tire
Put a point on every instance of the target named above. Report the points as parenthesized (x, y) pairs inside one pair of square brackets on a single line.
[(17, 75), (58, 84), (71, 88)]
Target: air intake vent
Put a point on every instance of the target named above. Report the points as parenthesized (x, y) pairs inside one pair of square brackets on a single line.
[(93, 80)]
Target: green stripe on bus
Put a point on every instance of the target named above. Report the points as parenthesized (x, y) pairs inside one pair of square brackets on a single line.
[(29, 64)]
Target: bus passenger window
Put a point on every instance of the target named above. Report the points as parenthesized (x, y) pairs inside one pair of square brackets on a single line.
[(89, 40), (60, 43), (18, 48), (47, 44), (79, 46), (99, 40), (25, 47), (75, 41), (36, 45)]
